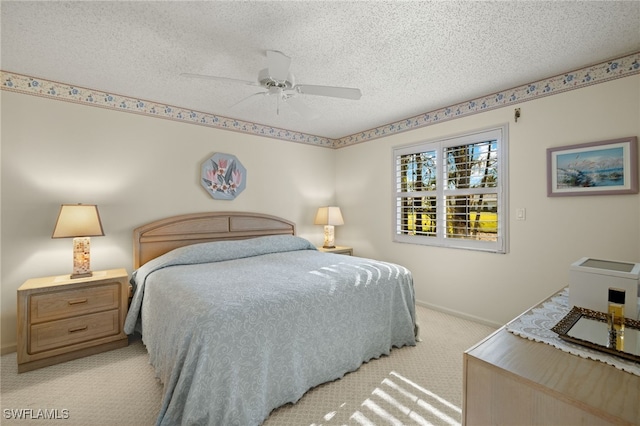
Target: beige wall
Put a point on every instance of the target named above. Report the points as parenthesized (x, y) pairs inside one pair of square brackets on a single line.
[(139, 168), (556, 232), (136, 169)]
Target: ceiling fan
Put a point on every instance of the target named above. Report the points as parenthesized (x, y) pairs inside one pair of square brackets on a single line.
[(277, 80)]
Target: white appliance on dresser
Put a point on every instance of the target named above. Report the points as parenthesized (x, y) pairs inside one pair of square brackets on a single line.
[(590, 280)]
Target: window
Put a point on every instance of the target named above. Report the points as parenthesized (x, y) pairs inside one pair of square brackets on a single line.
[(452, 192)]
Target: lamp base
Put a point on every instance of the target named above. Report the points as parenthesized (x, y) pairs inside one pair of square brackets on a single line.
[(83, 275), (81, 258), (329, 237)]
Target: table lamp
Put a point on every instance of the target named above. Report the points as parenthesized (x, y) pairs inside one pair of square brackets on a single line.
[(79, 221), (329, 217)]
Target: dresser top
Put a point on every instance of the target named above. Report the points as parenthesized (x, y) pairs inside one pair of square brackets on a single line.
[(582, 381), (64, 280)]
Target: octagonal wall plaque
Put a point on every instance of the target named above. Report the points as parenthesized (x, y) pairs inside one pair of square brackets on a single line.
[(223, 176)]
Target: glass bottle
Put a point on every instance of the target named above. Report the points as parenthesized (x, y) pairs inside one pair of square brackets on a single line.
[(615, 316)]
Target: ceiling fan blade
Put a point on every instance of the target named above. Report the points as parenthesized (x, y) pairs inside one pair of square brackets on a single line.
[(279, 64), (225, 79), (247, 98), (302, 109), (334, 92)]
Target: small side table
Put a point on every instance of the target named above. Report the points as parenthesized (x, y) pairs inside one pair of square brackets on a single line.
[(60, 319), (337, 250)]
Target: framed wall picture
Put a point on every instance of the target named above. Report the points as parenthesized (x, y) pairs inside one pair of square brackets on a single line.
[(595, 168), (223, 176)]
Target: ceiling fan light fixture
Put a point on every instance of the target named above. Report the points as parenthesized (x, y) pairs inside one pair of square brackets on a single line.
[(265, 79)]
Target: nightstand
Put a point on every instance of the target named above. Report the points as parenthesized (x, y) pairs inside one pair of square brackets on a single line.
[(60, 319), (338, 250)]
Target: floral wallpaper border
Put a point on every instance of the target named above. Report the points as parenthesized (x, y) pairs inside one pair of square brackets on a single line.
[(605, 71), (65, 92), (610, 70)]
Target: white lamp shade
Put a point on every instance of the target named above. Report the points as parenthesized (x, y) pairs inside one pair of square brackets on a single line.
[(329, 216), (78, 220)]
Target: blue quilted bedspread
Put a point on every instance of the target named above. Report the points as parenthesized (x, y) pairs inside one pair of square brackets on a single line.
[(235, 329)]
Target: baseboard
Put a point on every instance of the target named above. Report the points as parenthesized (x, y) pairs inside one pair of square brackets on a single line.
[(8, 349), (459, 314)]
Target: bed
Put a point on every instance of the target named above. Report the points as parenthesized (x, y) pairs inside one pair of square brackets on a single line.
[(241, 316)]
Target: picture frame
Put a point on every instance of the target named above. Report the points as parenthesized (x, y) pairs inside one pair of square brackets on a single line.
[(596, 168), (223, 176)]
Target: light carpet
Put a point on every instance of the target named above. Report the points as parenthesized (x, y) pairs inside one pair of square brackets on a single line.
[(419, 385)]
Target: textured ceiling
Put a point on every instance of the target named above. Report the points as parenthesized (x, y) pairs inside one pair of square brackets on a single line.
[(406, 57)]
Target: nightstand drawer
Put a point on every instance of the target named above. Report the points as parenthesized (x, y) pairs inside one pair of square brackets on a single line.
[(65, 304), (55, 334)]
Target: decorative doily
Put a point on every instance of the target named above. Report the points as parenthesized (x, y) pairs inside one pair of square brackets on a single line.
[(536, 325)]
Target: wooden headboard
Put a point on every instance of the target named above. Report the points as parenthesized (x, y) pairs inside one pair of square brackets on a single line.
[(158, 237)]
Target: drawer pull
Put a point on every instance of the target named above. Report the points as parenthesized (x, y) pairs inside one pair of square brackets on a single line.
[(77, 329), (78, 301)]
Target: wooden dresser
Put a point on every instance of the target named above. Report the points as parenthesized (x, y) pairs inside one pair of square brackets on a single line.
[(60, 319), (510, 380)]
